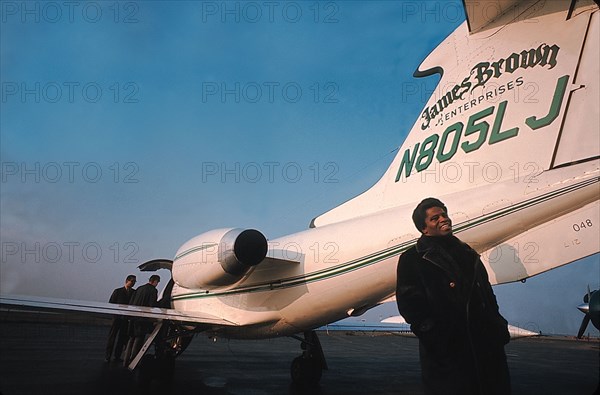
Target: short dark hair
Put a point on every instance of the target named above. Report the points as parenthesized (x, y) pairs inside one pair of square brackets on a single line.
[(131, 277), (154, 277), (419, 216)]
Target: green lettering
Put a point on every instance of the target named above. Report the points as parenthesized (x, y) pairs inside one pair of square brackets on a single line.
[(427, 152), (407, 162), (457, 129), (497, 135), (557, 99), (472, 127)]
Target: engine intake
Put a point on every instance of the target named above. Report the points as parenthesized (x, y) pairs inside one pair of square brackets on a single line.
[(218, 258)]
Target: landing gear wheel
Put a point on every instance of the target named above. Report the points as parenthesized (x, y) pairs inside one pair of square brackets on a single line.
[(173, 341), (306, 371)]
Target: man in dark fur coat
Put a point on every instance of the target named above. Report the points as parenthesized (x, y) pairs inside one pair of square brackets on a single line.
[(444, 293)]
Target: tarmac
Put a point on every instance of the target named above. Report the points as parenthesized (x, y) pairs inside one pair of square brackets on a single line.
[(48, 356)]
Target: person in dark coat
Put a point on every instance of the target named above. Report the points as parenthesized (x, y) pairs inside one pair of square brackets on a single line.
[(146, 295), (444, 293), (120, 324)]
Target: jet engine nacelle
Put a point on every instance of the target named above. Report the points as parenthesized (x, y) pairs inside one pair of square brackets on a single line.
[(218, 258)]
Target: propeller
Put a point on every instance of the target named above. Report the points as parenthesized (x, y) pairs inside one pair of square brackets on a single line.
[(591, 309)]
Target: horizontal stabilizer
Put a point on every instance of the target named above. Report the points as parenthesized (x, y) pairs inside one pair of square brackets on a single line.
[(482, 15), (39, 303), (515, 331), (397, 319), (389, 299)]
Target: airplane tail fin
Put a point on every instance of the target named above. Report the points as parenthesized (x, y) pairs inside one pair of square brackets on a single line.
[(515, 100)]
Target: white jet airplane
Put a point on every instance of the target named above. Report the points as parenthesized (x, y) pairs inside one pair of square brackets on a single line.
[(509, 141)]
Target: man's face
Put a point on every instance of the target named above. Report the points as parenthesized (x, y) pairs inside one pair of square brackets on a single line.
[(437, 222), (130, 283)]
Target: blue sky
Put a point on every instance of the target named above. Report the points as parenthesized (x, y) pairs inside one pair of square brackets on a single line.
[(128, 128)]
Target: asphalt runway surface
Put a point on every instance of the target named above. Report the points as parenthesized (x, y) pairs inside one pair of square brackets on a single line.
[(56, 358)]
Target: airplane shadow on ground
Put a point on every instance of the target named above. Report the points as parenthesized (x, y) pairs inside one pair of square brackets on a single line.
[(161, 378)]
